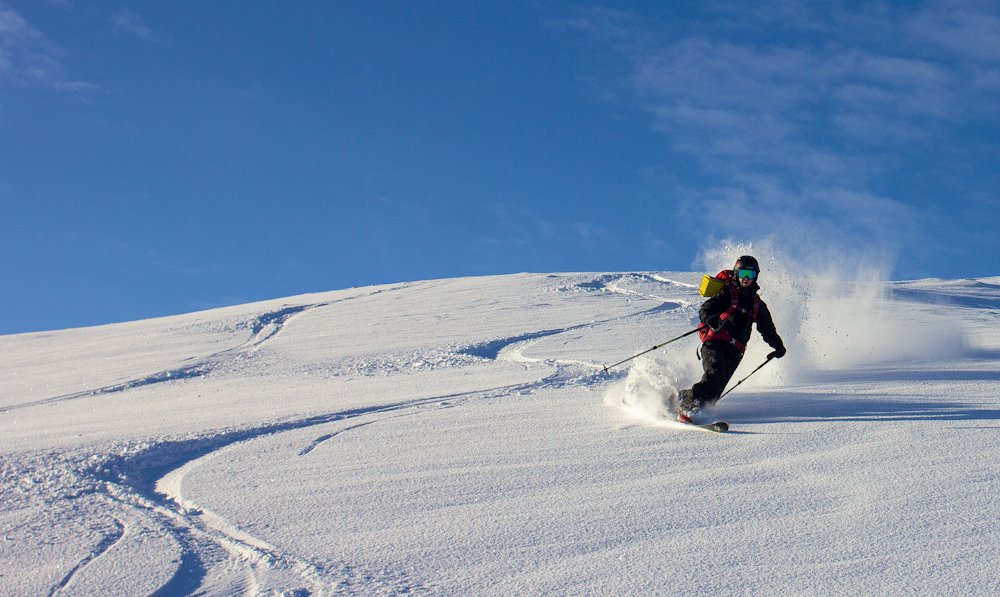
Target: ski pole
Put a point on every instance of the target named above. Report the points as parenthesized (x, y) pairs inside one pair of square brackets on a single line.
[(747, 377), (684, 335)]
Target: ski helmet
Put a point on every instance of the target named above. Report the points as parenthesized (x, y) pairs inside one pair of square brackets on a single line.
[(746, 262)]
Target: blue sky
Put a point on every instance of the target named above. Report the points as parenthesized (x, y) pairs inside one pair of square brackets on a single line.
[(163, 157)]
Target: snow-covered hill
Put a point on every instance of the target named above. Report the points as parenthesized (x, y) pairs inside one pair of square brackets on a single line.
[(461, 437)]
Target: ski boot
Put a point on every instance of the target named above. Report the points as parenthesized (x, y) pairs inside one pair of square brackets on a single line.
[(688, 407)]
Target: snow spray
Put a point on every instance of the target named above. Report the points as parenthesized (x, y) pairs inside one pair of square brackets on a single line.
[(833, 312), (649, 385)]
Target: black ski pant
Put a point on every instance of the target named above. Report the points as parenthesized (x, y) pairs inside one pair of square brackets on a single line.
[(719, 360)]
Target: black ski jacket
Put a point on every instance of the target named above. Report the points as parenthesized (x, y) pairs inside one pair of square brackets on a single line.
[(740, 323)]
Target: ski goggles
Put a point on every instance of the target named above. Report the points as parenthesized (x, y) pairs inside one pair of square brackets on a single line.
[(746, 273)]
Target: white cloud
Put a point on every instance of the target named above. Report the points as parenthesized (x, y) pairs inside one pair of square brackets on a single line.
[(28, 58)]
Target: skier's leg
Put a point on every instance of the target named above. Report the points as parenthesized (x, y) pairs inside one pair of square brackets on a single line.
[(693, 399), (687, 400), (719, 362)]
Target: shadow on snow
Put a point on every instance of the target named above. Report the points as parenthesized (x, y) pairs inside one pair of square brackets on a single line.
[(813, 407)]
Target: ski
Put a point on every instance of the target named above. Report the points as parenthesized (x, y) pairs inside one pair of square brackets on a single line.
[(714, 427), (717, 426), (678, 421), (686, 421)]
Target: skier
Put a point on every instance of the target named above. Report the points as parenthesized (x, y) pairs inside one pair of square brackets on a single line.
[(727, 319)]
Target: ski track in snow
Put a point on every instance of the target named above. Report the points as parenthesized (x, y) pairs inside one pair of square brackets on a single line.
[(216, 556), (262, 329), (100, 549)]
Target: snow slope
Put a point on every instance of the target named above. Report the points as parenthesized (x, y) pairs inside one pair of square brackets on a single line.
[(461, 437)]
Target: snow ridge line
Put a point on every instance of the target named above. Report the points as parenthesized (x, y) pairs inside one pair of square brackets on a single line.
[(613, 283)]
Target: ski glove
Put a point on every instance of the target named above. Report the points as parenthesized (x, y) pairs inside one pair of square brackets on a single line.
[(777, 353), (714, 322)]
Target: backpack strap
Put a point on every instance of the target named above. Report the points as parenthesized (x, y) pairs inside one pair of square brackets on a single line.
[(734, 303)]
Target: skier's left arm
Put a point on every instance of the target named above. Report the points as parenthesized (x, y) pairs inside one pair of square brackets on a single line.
[(765, 325)]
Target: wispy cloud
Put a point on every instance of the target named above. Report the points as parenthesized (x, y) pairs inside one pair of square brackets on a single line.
[(131, 22), (968, 29), (29, 58), (806, 109), (776, 105)]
